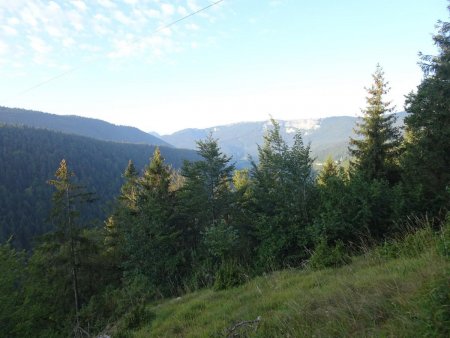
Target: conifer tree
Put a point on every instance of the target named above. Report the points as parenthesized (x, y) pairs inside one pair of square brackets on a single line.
[(206, 193), (67, 200), (155, 181), (268, 172), (330, 222), (151, 238), (427, 156), (124, 215), (282, 194), (241, 215), (376, 151), (329, 171), (129, 191), (205, 207)]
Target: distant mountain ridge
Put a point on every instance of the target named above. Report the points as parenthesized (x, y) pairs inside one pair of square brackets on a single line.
[(327, 136), (77, 125)]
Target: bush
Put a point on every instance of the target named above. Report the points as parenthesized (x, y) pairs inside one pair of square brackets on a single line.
[(201, 274), (325, 256), (411, 245), (229, 275), (123, 306)]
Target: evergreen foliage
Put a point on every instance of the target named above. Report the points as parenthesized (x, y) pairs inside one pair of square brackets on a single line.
[(206, 194), (353, 209), (28, 159), (12, 267), (282, 193), (204, 208), (65, 270), (221, 240), (77, 125), (207, 183), (374, 169), (124, 214), (240, 219), (376, 153), (151, 238), (65, 214), (427, 157), (332, 220), (142, 235)]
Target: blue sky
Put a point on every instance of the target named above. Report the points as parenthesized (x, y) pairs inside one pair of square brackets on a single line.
[(239, 60)]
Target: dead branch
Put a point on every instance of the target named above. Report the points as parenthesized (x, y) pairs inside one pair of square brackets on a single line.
[(235, 330)]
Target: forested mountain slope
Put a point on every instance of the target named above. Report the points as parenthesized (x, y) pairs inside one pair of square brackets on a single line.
[(77, 125), (29, 157)]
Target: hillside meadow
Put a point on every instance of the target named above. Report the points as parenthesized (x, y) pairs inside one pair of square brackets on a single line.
[(399, 289)]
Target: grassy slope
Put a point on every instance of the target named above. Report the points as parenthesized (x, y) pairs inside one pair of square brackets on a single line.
[(369, 297)]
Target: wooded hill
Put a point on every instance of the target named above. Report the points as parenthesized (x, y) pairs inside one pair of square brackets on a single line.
[(77, 125), (28, 159)]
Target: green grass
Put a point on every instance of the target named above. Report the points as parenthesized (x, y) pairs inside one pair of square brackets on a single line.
[(374, 296)]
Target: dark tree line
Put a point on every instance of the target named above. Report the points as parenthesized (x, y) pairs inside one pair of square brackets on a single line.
[(209, 225)]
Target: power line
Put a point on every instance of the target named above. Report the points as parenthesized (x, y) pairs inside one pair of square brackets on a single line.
[(27, 90), (45, 82), (187, 16)]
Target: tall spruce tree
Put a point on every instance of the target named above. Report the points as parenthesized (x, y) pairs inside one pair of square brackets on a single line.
[(204, 209), (376, 152), (151, 239), (124, 216), (427, 156), (67, 200)]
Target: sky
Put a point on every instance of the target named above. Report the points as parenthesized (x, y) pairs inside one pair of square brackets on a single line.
[(152, 65)]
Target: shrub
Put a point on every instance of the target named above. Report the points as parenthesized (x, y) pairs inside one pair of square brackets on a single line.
[(229, 275), (411, 245), (326, 256), (123, 306)]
